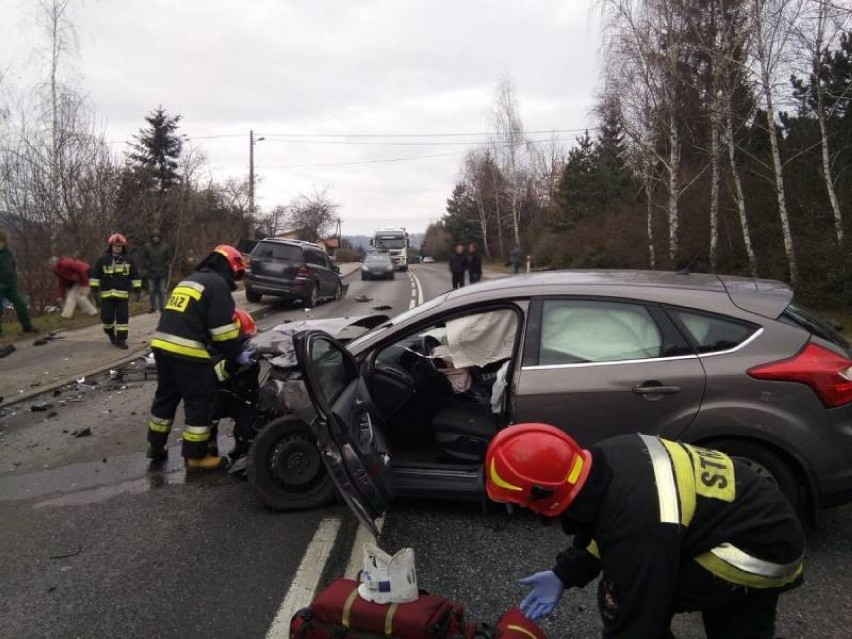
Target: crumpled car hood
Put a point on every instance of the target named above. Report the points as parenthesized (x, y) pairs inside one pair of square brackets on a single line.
[(278, 341)]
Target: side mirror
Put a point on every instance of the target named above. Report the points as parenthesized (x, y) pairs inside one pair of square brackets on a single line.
[(336, 268)]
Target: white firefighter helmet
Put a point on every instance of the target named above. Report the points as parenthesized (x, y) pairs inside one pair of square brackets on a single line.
[(388, 579)]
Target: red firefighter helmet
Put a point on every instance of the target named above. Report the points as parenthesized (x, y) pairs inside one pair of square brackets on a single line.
[(116, 238), (245, 322), (235, 259), (536, 466)]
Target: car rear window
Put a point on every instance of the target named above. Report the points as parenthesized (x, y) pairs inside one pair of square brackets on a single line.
[(271, 251), (582, 331), (712, 333), (803, 318)]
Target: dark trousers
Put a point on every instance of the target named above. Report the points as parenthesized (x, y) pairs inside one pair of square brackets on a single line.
[(12, 293), (475, 276), (156, 292), (728, 611), (228, 404), (115, 315), (458, 279), (194, 383)]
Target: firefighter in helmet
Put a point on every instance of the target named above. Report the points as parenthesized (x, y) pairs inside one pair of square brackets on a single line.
[(113, 277), (671, 527), (238, 389), (198, 318)]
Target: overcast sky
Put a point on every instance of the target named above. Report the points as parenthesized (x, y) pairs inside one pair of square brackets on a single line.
[(322, 68)]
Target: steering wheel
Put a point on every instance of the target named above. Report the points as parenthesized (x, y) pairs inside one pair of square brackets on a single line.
[(427, 344)]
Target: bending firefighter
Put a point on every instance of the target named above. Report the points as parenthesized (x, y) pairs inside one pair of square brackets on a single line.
[(115, 275), (238, 388), (198, 317), (672, 527)]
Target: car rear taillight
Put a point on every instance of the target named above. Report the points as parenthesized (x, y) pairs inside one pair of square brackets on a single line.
[(829, 374), (303, 271)]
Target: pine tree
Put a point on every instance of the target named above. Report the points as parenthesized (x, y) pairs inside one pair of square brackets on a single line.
[(157, 150)]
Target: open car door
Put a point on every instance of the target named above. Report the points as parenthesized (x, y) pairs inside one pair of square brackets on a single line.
[(347, 425)]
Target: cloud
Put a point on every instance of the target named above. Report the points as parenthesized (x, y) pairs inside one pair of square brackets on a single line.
[(378, 66)]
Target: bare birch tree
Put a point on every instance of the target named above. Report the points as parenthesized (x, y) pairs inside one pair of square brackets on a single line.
[(816, 33), (771, 26), (509, 147)]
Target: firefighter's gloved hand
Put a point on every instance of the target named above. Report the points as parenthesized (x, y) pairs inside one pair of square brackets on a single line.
[(246, 358), (546, 591)]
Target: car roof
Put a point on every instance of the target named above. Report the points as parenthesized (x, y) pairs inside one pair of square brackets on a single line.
[(281, 240), (764, 297)]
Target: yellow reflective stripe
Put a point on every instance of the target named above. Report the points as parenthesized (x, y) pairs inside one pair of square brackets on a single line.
[(168, 421), (520, 629), (575, 470), (593, 549), (499, 481), (183, 341), (193, 285), (389, 619), (347, 607), (664, 478), (137, 283), (159, 427), (94, 282), (196, 433), (122, 327), (685, 477), (108, 327), (116, 294), (221, 373), (179, 349), (225, 332), (737, 567), (180, 289)]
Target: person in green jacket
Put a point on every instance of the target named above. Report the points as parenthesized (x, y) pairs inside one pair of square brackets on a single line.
[(9, 285), (156, 260)]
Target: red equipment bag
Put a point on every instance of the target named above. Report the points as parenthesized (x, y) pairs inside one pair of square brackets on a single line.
[(514, 625), (338, 613)]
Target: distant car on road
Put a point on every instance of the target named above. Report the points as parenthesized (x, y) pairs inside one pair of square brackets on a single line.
[(428, 260), (292, 270), (377, 266), (727, 363)]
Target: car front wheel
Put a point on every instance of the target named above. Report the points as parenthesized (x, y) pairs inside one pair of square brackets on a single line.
[(313, 297), (285, 467), (253, 297)]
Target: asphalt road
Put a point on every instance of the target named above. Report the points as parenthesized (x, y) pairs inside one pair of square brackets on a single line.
[(93, 545)]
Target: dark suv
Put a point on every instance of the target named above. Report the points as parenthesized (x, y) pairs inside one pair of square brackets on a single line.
[(293, 270)]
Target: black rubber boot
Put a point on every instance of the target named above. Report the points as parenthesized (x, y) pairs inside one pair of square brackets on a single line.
[(157, 453)]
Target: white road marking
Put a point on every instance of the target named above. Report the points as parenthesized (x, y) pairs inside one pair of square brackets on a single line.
[(303, 588), (416, 291), (363, 536)]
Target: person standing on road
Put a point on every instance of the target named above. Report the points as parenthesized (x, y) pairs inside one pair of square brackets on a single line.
[(198, 316), (474, 263), (115, 276), (156, 259), (673, 528), (516, 256), (72, 288), (9, 289), (458, 266)]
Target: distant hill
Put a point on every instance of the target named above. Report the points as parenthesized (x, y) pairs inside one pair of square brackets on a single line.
[(364, 240)]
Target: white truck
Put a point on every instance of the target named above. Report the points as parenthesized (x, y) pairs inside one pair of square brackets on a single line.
[(395, 242)]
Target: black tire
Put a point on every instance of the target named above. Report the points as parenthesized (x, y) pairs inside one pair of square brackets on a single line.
[(252, 296), (313, 297), (338, 292), (285, 468), (364, 278), (768, 464)]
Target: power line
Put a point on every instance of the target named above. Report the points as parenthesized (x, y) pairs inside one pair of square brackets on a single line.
[(418, 135), (358, 142), (384, 160)]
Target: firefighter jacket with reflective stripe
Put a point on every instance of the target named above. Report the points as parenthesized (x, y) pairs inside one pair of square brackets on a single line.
[(649, 505), (199, 314), (115, 276)]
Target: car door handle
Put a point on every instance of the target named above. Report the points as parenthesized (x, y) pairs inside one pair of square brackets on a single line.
[(655, 389)]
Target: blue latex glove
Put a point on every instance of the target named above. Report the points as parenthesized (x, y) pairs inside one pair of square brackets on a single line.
[(246, 358), (546, 591)]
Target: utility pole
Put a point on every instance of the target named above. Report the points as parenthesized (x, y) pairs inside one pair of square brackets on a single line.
[(251, 172), (252, 142)]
